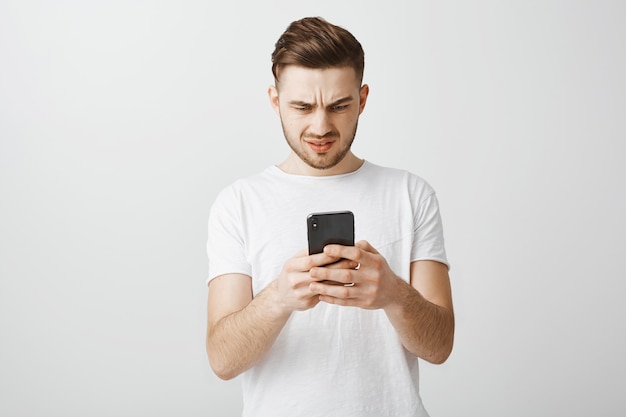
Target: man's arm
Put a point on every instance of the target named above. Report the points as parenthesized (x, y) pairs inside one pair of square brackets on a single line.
[(421, 312), (240, 328)]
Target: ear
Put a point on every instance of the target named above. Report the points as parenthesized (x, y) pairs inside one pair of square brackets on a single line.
[(363, 93), (272, 93)]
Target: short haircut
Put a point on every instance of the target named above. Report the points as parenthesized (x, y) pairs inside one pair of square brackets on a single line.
[(313, 42)]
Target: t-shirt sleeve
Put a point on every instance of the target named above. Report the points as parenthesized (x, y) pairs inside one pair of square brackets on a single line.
[(226, 247), (428, 242)]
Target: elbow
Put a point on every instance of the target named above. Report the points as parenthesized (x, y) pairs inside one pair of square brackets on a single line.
[(435, 354), (221, 369), (220, 365), (441, 351), (222, 373), (440, 357), (444, 348), (444, 351)]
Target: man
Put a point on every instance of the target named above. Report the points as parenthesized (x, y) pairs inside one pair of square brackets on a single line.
[(305, 346)]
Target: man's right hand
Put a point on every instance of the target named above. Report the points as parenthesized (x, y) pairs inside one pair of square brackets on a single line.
[(240, 328), (292, 285)]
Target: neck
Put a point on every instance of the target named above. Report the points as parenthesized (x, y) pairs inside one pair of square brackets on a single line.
[(296, 166)]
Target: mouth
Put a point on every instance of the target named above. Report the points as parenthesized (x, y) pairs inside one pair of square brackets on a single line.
[(320, 146)]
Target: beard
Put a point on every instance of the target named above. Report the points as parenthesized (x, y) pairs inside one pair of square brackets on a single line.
[(316, 160)]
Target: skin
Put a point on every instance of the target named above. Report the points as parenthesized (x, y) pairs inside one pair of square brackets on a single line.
[(319, 111), (319, 107)]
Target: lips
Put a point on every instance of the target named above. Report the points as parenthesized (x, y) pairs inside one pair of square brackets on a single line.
[(320, 146)]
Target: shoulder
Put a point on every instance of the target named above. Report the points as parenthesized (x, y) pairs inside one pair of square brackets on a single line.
[(242, 186), (394, 177)]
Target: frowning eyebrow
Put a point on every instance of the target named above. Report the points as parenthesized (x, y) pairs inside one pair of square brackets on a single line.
[(301, 103)]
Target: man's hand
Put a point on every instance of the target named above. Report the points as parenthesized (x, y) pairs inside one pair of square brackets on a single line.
[(368, 280), (240, 328), (420, 311), (292, 289)]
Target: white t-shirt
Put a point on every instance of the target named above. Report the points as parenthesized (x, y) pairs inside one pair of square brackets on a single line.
[(329, 360)]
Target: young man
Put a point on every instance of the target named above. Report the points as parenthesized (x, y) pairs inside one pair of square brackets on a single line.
[(305, 346)]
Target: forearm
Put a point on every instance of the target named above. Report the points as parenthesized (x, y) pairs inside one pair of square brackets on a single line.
[(425, 329), (237, 341)]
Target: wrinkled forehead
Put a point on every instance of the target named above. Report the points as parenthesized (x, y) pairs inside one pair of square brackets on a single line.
[(334, 82)]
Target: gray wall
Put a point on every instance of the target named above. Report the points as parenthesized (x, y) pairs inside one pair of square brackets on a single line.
[(121, 120)]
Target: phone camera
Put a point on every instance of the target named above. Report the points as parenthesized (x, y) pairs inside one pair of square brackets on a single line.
[(314, 224)]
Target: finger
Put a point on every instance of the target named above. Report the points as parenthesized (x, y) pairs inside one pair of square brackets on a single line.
[(323, 259), (328, 292), (366, 246), (346, 302), (341, 275), (306, 262), (343, 264), (352, 253)]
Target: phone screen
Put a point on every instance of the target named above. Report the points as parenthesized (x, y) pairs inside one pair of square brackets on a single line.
[(327, 228)]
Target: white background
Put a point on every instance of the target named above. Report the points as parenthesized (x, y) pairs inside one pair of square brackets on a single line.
[(121, 120)]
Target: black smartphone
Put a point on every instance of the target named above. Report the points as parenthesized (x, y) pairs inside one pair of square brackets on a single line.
[(335, 227)]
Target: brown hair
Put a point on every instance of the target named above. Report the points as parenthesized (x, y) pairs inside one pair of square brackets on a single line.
[(313, 42)]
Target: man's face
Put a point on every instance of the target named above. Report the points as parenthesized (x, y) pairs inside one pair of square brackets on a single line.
[(319, 110)]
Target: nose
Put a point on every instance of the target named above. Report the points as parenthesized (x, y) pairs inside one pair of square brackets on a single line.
[(320, 123)]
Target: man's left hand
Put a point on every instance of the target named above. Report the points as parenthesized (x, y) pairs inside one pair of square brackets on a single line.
[(370, 285)]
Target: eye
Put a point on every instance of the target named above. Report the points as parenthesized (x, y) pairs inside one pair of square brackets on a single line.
[(302, 108), (340, 107)]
